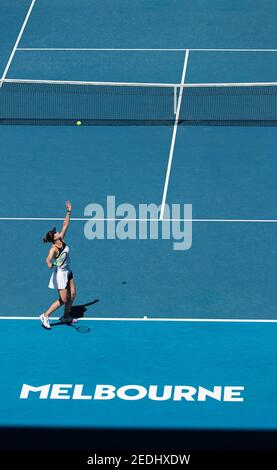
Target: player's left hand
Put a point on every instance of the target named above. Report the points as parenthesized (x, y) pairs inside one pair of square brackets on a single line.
[(68, 205)]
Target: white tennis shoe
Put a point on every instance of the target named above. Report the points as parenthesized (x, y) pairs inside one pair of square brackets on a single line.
[(45, 321)]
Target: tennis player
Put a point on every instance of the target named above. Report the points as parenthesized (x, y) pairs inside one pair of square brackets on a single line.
[(62, 277)]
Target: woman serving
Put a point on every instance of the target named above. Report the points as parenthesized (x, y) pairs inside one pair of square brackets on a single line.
[(62, 277)]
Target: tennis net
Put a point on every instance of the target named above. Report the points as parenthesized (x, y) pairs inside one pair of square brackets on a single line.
[(65, 102)]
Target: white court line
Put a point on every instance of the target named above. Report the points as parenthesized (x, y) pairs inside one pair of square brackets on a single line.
[(144, 84), (86, 219), (188, 320), (233, 50), (113, 84), (17, 41), (119, 49), (97, 49), (174, 136)]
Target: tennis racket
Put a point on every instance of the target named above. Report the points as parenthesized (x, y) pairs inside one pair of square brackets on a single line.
[(60, 260)]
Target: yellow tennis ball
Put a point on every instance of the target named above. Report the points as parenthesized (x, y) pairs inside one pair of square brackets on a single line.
[(78, 123)]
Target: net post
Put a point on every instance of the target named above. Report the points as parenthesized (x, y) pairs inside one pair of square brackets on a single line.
[(175, 100)]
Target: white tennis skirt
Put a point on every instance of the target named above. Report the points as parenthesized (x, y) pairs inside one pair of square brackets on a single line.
[(59, 279)]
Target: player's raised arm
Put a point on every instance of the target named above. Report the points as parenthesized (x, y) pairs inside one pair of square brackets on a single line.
[(67, 219)]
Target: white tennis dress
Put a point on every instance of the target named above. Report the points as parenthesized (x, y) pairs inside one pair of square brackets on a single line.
[(59, 278)]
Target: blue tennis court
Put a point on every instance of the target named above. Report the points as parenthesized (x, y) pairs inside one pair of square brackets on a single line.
[(175, 344)]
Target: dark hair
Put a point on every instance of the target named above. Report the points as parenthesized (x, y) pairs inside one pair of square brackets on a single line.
[(49, 237)]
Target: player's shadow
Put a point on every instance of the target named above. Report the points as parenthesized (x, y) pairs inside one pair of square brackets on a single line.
[(78, 311)]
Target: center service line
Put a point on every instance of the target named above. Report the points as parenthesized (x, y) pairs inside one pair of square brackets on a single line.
[(174, 135)]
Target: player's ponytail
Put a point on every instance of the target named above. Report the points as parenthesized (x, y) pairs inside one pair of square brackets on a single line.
[(49, 237)]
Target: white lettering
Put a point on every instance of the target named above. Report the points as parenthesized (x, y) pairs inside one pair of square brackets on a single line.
[(178, 234), (203, 393), (43, 389), (104, 392), (78, 393), (153, 390), (230, 393), (60, 392), (122, 392), (184, 392), (134, 392), (94, 228)]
